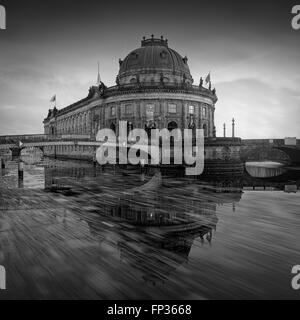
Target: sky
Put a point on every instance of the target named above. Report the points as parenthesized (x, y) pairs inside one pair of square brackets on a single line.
[(250, 48)]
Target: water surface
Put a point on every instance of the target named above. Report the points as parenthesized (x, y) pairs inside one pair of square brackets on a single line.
[(70, 230)]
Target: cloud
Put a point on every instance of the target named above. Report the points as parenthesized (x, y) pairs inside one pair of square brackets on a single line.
[(260, 110), (53, 48), (7, 107)]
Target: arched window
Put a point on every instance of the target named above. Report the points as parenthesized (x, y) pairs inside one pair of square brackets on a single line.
[(205, 130), (87, 120), (113, 111), (129, 127), (75, 125), (191, 109), (113, 127), (192, 126), (150, 126), (150, 108), (79, 124), (172, 125)]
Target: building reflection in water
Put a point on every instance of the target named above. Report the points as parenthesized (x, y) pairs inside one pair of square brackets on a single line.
[(156, 227), (160, 227)]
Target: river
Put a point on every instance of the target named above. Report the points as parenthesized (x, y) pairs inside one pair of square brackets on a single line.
[(69, 230)]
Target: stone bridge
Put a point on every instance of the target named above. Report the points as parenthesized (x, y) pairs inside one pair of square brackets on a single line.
[(40, 138), (220, 149), (271, 149), (220, 153), (16, 143)]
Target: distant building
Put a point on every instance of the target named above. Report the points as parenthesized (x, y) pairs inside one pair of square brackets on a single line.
[(290, 141), (154, 89)]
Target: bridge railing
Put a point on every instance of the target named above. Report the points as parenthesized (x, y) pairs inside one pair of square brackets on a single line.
[(268, 142), (14, 139), (223, 141), (260, 142)]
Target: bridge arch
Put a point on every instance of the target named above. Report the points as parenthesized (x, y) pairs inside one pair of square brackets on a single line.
[(264, 153), (41, 148), (292, 152)]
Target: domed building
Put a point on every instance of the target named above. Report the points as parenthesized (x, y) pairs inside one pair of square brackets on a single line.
[(154, 89)]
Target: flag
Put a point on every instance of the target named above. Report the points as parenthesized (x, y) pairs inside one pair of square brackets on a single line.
[(207, 80), (53, 99), (99, 77)]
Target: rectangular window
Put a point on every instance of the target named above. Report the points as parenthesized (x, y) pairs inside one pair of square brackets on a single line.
[(113, 111), (191, 109), (150, 112), (172, 108), (129, 109), (123, 110), (204, 112)]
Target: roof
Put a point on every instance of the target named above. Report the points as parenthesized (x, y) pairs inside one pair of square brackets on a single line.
[(154, 56)]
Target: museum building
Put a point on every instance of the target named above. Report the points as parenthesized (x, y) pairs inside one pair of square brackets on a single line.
[(154, 90)]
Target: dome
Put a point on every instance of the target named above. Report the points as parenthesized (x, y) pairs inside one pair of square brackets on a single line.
[(153, 61)]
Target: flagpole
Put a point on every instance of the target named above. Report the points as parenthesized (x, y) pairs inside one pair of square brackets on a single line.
[(98, 77)]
